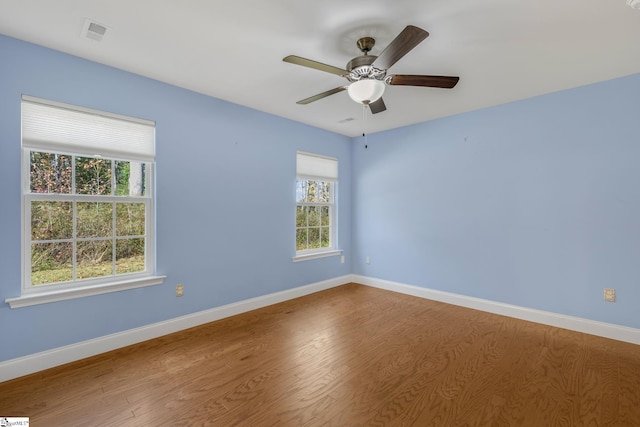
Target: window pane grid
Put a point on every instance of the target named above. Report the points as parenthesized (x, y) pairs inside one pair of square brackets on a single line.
[(314, 213), (87, 196), (87, 217)]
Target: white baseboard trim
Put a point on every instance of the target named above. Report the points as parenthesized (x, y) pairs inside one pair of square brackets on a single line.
[(32, 363), (592, 327)]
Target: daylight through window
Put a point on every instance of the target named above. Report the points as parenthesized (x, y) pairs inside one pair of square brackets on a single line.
[(87, 194), (315, 203)]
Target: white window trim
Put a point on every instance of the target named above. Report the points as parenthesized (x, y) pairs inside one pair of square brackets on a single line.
[(29, 288), (41, 294), (320, 168), (307, 255), (333, 235), (47, 296)]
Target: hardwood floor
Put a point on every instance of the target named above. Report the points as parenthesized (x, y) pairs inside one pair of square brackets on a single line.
[(349, 356)]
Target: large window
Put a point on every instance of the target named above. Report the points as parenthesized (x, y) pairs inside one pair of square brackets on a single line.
[(87, 180), (316, 184)]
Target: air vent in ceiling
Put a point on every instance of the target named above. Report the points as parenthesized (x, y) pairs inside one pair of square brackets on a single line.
[(92, 30)]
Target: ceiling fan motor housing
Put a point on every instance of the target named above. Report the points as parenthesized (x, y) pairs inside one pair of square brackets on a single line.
[(360, 68)]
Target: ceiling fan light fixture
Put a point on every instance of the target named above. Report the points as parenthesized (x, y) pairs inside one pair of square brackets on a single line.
[(366, 91), (634, 3)]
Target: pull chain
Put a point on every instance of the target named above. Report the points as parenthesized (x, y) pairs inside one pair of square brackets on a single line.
[(364, 125)]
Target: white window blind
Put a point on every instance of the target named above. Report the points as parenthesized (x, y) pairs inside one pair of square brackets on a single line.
[(66, 128), (314, 167)]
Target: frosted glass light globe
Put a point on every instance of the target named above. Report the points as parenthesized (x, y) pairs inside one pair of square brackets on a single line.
[(366, 91)]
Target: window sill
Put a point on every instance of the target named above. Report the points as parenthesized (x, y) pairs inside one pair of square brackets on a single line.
[(315, 255), (65, 294)]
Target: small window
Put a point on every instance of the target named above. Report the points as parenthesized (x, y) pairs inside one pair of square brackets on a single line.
[(316, 185), (88, 208)]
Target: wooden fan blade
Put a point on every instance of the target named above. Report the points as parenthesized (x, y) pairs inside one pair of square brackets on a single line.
[(314, 64), (408, 38), (377, 106), (444, 82), (321, 95)]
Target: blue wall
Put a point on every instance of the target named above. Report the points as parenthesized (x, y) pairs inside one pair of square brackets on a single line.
[(534, 203), (225, 199)]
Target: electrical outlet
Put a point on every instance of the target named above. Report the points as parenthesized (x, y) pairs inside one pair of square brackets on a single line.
[(368, 260), (179, 290), (342, 259), (609, 295)]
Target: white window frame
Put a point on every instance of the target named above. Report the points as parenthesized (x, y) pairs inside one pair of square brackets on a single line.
[(70, 143), (314, 167)]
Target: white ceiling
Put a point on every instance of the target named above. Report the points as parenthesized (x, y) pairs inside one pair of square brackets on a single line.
[(503, 50)]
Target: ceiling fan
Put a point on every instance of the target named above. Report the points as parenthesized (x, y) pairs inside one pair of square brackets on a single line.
[(367, 74)]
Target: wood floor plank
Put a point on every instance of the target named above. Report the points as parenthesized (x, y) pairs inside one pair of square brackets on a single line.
[(351, 355)]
